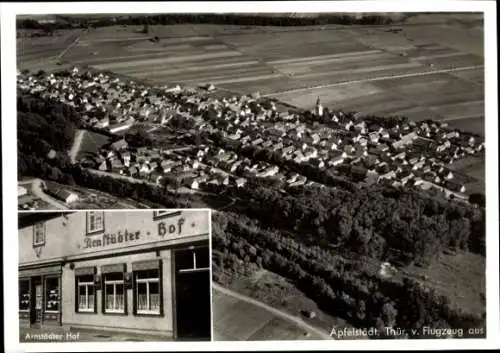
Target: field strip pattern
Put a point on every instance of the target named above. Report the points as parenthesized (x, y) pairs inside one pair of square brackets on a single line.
[(164, 60), (164, 40), (312, 59), (354, 67), (378, 79), (197, 68)]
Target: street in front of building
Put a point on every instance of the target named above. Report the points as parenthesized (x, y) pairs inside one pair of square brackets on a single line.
[(63, 334)]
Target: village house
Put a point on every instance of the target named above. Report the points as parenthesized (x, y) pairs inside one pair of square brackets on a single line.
[(405, 176), (240, 182), (60, 193), (301, 180), (156, 177), (454, 186), (387, 175), (317, 163), (119, 145), (133, 171), (191, 182), (103, 166), (116, 165)]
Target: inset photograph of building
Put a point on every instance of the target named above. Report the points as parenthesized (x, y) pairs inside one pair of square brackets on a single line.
[(114, 275)]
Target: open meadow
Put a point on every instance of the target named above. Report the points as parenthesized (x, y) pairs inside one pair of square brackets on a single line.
[(459, 276)]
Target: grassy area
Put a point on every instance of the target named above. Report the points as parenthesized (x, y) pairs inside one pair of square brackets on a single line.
[(91, 144), (461, 277), (474, 168), (237, 320), (280, 293)]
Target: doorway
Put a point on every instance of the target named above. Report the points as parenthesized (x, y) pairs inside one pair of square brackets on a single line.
[(36, 310), (192, 294)]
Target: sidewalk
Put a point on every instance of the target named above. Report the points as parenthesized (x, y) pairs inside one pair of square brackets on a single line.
[(66, 334)]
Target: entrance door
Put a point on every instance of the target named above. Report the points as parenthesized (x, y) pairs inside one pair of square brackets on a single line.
[(37, 303), (193, 295)]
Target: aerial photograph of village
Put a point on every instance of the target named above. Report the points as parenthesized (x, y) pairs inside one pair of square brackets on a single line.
[(343, 156)]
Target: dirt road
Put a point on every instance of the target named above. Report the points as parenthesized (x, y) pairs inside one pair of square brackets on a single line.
[(75, 148), (36, 189)]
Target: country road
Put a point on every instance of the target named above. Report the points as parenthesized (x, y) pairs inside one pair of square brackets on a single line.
[(38, 192), (373, 79), (75, 148), (299, 322), (71, 45)]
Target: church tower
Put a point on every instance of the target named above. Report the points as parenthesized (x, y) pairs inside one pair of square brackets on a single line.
[(319, 108)]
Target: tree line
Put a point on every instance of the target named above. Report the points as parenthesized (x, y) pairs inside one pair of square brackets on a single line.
[(67, 22), (383, 223)]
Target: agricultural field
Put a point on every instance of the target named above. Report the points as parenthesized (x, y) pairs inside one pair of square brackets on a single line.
[(418, 68), (43, 53)]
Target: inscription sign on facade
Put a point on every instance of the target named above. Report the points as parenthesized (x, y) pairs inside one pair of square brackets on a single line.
[(109, 239), (105, 240), (165, 228)]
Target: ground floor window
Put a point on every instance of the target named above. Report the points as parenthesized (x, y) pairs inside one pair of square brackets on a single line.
[(114, 293), (52, 294), (147, 292), (86, 293), (24, 294)]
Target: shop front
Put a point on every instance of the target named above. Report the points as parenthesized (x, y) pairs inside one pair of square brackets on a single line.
[(139, 271), (40, 292)]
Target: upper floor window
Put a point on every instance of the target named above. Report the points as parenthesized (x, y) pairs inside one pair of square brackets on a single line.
[(95, 222), (158, 214), (39, 234)]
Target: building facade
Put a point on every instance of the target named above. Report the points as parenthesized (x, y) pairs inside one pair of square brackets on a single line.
[(140, 271)]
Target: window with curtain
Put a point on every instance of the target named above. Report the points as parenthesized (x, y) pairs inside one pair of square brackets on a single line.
[(86, 293), (147, 292), (114, 293)]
